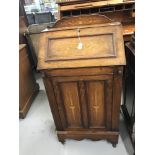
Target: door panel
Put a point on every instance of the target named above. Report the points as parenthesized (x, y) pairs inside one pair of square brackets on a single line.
[(71, 103), (99, 97), (96, 105)]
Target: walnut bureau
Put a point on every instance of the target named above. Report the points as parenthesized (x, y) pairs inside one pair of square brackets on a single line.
[(83, 69)]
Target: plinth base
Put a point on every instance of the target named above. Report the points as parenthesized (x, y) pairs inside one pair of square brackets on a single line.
[(111, 137)]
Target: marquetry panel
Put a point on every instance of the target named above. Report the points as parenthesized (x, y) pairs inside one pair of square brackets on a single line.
[(99, 94), (70, 96), (96, 105)]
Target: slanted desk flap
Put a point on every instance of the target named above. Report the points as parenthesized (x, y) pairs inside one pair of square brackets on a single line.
[(76, 47), (84, 46)]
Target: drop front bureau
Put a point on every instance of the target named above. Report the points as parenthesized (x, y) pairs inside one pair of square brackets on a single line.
[(82, 68)]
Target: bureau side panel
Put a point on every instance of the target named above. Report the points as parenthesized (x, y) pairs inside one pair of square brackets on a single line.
[(117, 89), (53, 103)]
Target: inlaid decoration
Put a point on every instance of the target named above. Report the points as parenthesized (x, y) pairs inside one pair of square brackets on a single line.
[(71, 106), (96, 103), (71, 103)]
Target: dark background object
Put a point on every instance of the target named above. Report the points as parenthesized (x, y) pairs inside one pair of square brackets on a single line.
[(30, 18), (22, 11), (128, 107), (45, 17), (40, 18), (22, 29), (23, 23)]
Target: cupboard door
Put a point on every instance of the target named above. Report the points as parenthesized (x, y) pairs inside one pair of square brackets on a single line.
[(70, 97), (99, 98), (84, 101), (67, 97)]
